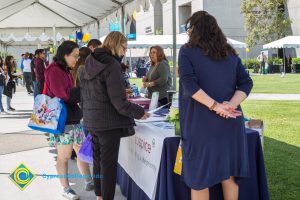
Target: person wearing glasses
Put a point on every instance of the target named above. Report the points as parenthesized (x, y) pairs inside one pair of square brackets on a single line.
[(107, 113), (158, 78), (213, 84), (60, 84)]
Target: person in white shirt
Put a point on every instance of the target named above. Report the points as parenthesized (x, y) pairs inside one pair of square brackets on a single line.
[(262, 58), (27, 73)]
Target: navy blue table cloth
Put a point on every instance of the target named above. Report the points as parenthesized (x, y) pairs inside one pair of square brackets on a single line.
[(170, 186)]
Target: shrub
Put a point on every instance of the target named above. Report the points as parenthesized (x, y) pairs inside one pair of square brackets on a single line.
[(275, 61), (250, 63), (295, 60)]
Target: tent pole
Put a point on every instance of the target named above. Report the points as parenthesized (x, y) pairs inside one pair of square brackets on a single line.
[(54, 37), (130, 60), (283, 61), (98, 29), (174, 42)]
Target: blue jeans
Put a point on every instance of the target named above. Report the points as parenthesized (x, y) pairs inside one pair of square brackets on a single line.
[(8, 102), (1, 92)]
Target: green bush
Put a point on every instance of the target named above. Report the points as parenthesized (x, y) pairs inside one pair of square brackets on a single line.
[(275, 61), (295, 60), (250, 63)]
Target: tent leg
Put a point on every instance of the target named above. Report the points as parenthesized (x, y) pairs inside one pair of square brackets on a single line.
[(174, 43), (283, 60), (130, 61), (54, 38)]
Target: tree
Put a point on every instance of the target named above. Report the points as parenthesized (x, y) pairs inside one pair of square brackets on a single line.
[(265, 20)]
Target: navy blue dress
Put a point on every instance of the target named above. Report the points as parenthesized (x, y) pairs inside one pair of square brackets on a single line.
[(213, 148)]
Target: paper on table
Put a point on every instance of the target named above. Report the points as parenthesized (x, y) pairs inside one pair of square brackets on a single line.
[(152, 118), (156, 109)]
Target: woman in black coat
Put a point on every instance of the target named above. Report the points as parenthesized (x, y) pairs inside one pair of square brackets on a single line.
[(107, 114)]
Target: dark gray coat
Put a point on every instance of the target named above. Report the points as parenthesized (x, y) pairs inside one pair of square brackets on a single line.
[(103, 98)]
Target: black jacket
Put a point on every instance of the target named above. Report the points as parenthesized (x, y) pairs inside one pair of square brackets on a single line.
[(103, 98)]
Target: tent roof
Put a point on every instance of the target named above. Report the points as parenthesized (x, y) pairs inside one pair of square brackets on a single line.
[(166, 41), (61, 13), (286, 42)]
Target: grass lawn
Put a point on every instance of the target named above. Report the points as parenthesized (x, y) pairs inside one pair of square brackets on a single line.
[(273, 83), (290, 84), (281, 145)]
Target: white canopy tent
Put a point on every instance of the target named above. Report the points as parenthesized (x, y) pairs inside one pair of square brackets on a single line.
[(35, 17), (20, 19), (283, 43), (286, 42), (166, 41)]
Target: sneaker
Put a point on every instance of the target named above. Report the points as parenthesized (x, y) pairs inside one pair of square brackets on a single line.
[(70, 194), (89, 186), (11, 109), (3, 112)]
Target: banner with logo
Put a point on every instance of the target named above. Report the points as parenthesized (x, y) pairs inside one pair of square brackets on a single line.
[(140, 155)]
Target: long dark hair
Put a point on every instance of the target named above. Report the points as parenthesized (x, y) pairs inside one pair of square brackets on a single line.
[(1, 62), (65, 48), (206, 34), (9, 65)]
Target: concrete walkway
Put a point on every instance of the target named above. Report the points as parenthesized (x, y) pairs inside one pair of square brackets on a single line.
[(19, 144), (283, 97)]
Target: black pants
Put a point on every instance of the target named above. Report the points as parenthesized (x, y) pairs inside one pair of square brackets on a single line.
[(105, 154), (28, 81), (262, 68), (40, 86)]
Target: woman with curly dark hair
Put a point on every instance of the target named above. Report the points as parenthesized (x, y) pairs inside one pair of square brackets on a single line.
[(213, 83)]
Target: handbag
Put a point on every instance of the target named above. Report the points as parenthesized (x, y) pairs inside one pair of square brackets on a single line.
[(126, 132), (85, 153), (49, 114)]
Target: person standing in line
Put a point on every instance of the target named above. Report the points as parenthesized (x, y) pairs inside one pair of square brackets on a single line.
[(93, 44), (27, 73), (59, 83), (40, 67), (213, 84), (125, 75), (84, 52), (9, 67), (22, 68), (2, 84), (33, 76), (107, 113)]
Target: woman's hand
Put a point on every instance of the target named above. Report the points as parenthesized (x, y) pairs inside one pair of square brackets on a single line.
[(146, 115), (227, 111), (148, 84)]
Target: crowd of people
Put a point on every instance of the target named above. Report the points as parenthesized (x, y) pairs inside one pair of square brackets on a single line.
[(92, 82)]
